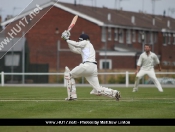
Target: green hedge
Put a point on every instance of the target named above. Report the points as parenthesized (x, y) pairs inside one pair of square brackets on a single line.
[(120, 79)]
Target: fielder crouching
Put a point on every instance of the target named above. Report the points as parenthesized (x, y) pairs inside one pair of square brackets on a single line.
[(87, 69)]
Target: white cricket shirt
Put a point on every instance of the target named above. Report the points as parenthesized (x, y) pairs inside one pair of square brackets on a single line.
[(147, 62), (85, 48)]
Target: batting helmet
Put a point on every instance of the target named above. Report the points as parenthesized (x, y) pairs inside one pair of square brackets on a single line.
[(83, 37)]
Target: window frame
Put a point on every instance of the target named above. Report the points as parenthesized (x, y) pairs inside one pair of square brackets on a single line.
[(105, 60), (116, 34), (10, 57), (174, 39), (121, 36), (139, 37), (164, 38), (133, 36), (128, 36), (109, 34), (103, 34), (169, 38)]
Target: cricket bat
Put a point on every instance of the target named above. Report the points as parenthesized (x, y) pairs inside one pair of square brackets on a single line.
[(73, 22)]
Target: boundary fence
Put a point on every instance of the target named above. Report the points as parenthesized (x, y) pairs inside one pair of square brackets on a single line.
[(126, 74)]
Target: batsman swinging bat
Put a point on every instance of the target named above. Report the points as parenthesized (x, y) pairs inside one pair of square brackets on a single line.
[(73, 22)]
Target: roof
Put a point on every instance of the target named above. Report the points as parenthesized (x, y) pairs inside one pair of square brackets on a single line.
[(120, 50), (118, 18), (126, 48)]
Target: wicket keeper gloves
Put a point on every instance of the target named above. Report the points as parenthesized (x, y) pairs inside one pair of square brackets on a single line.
[(65, 35)]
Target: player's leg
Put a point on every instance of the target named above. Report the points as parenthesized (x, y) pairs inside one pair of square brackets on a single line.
[(139, 75), (87, 69), (70, 84), (78, 71), (94, 82), (152, 75), (99, 90), (110, 93)]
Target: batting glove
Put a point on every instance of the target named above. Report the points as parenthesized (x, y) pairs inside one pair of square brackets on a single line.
[(65, 35)]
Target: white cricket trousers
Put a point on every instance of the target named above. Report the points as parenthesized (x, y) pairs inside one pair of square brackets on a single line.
[(151, 74), (89, 71)]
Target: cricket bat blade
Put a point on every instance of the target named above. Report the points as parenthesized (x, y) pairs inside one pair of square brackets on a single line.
[(73, 22)]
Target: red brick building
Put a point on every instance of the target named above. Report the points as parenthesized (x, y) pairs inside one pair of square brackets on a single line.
[(120, 32)]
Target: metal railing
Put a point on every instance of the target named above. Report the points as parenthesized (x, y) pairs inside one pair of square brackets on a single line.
[(126, 74)]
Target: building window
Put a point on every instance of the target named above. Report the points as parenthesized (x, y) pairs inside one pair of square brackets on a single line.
[(142, 37), (116, 35), (164, 38), (128, 36), (103, 34), (105, 64), (133, 36), (169, 38), (173, 38), (109, 33), (150, 38), (165, 63), (121, 36), (12, 60), (139, 37)]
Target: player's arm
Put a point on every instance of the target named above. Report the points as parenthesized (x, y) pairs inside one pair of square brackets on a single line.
[(74, 49), (138, 69), (66, 36), (80, 44), (156, 59), (139, 63), (159, 67)]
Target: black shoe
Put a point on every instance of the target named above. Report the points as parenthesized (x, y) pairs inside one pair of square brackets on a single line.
[(71, 99), (117, 96)]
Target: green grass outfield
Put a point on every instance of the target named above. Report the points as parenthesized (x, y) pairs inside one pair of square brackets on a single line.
[(48, 102)]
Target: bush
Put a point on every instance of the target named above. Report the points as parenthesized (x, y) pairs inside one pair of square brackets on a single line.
[(121, 79), (112, 80), (132, 79), (61, 79), (80, 80)]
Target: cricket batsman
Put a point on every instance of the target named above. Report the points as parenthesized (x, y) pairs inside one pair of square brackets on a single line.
[(145, 65), (87, 69)]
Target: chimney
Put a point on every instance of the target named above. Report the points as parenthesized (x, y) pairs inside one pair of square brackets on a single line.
[(0, 23), (109, 16), (168, 24), (133, 19), (164, 13), (75, 2), (154, 21)]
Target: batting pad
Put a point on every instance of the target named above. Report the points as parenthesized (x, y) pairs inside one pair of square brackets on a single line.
[(70, 84)]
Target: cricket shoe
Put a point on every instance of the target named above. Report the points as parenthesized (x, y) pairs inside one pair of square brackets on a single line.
[(117, 95), (95, 92), (71, 99), (135, 90)]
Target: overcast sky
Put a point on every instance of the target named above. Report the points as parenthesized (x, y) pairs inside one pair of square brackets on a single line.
[(14, 7)]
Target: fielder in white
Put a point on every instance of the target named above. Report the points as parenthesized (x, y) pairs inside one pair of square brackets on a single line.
[(145, 65), (87, 69)]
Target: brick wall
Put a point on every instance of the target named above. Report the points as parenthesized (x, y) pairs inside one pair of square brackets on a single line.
[(42, 42)]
